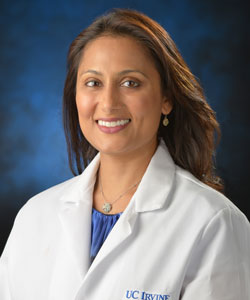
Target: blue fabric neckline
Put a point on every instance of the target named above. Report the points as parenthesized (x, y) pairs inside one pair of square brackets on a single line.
[(101, 226)]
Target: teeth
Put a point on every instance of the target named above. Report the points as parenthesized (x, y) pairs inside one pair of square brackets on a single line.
[(112, 124)]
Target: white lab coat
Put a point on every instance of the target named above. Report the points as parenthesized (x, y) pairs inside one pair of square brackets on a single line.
[(177, 239)]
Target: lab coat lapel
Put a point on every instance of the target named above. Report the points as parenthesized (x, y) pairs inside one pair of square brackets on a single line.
[(76, 223), (122, 230), (72, 260), (75, 217)]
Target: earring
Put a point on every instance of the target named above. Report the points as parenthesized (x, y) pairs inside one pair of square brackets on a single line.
[(165, 121)]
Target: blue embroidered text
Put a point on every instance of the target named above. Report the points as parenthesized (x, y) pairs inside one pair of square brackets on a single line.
[(145, 296)]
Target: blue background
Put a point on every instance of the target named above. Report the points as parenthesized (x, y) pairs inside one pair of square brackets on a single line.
[(213, 37)]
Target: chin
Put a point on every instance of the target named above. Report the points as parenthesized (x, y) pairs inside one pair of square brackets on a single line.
[(112, 148)]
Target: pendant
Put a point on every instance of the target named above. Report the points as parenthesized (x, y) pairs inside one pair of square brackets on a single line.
[(107, 207), (165, 121)]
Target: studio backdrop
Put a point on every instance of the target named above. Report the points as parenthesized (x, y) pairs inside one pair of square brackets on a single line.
[(212, 36)]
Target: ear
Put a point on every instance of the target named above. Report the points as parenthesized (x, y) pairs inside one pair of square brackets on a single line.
[(167, 106)]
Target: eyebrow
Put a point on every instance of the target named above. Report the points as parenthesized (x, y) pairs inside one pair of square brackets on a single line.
[(124, 72)]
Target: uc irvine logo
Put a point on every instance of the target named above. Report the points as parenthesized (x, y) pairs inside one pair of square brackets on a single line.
[(145, 296)]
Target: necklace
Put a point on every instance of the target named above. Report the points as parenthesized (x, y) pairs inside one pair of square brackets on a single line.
[(107, 206)]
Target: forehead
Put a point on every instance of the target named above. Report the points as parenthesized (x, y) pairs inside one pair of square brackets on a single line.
[(121, 50), (112, 38)]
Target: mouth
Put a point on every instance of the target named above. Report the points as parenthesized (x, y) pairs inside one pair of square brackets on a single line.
[(112, 125), (113, 122)]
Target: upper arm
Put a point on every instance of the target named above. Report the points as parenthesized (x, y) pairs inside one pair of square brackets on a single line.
[(4, 281), (219, 268)]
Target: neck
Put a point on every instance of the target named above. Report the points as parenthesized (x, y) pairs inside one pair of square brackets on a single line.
[(119, 172)]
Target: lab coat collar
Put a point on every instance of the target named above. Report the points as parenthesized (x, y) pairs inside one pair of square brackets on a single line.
[(155, 186), (151, 192), (82, 184)]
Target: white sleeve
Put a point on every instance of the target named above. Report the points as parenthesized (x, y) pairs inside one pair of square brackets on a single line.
[(4, 282), (220, 265)]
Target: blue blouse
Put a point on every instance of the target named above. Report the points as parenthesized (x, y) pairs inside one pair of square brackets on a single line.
[(101, 226)]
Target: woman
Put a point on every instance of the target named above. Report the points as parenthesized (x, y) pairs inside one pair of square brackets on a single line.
[(144, 219)]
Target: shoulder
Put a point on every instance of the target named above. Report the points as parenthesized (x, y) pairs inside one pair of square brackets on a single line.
[(209, 217), (219, 237), (202, 201), (45, 205), (38, 217), (52, 194), (46, 202), (185, 194)]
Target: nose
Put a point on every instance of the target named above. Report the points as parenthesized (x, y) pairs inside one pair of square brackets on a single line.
[(109, 99)]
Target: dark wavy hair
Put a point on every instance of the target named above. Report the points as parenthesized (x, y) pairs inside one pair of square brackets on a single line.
[(192, 131)]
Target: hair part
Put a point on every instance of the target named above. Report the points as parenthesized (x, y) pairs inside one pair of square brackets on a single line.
[(193, 131)]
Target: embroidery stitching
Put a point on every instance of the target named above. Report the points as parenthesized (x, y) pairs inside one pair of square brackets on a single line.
[(135, 294)]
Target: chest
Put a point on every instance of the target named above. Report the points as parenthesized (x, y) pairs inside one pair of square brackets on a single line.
[(149, 264), (145, 257)]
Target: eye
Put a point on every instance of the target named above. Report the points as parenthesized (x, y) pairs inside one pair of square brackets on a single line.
[(92, 83), (130, 83)]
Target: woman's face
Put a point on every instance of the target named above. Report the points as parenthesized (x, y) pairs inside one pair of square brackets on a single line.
[(118, 96)]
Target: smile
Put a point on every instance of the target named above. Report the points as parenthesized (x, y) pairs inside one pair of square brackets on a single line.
[(113, 123)]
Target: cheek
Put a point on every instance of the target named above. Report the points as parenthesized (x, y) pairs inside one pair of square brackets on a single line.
[(85, 106), (147, 107)]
